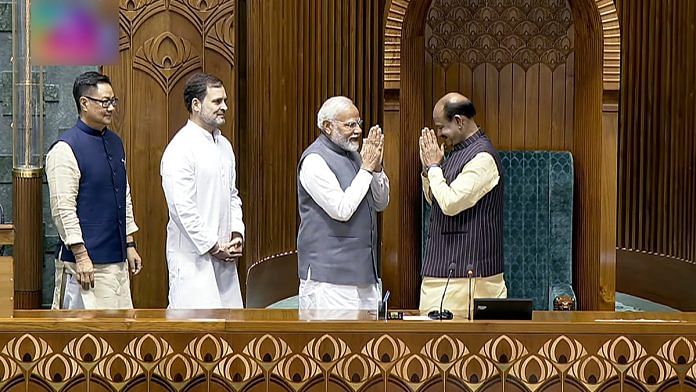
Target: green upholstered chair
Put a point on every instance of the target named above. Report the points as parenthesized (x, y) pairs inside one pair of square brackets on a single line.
[(538, 225)]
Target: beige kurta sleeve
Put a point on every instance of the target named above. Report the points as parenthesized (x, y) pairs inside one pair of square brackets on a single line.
[(476, 179), (131, 227), (63, 175)]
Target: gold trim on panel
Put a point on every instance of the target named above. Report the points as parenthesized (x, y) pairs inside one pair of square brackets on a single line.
[(28, 173)]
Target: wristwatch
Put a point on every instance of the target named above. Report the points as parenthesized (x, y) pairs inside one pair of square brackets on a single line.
[(131, 245)]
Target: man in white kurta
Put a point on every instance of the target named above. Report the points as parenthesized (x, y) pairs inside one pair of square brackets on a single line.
[(320, 182), (205, 211), (343, 275)]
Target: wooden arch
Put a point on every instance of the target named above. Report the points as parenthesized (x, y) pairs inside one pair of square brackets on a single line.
[(598, 43), (611, 37)]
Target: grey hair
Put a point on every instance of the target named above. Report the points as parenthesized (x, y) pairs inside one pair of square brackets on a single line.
[(330, 109)]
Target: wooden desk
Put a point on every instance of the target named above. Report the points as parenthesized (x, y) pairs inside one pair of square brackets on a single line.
[(6, 234), (221, 350), (6, 273)]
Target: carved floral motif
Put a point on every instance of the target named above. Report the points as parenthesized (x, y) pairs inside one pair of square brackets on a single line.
[(499, 32), (167, 58), (243, 361), (134, 5)]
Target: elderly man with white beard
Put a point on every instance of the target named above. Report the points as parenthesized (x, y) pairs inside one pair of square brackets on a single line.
[(340, 192)]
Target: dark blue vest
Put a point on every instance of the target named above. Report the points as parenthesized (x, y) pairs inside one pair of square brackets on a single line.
[(101, 198)]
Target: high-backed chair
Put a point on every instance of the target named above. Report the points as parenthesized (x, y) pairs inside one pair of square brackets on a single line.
[(272, 280), (538, 225)]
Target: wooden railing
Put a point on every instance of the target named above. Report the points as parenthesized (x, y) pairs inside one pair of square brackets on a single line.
[(6, 273)]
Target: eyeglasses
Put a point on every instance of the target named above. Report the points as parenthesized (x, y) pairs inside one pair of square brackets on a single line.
[(352, 124), (105, 103)]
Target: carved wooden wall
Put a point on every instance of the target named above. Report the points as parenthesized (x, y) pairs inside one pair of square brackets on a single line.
[(514, 62), (517, 60), (299, 53), (163, 42), (291, 56), (294, 55), (657, 161)]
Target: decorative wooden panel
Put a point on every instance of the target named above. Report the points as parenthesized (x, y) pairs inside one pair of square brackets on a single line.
[(299, 53), (611, 37), (278, 352), (515, 62), (526, 105), (163, 42), (657, 154), (594, 153)]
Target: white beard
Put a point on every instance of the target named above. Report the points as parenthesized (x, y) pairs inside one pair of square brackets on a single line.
[(344, 143)]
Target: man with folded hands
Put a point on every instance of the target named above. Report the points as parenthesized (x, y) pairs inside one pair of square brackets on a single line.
[(205, 233), (466, 221), (339, 193)]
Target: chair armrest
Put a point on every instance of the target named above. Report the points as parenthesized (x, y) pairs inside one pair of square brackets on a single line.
[(562, 297)]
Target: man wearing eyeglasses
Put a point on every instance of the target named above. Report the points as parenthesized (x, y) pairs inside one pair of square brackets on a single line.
[(339, 193), (91, 205)]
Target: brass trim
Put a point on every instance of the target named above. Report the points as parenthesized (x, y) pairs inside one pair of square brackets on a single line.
[(28, 173)]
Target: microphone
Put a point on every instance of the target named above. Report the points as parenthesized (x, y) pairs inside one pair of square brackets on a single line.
[(444, 314), (382, 311), (470, 275)]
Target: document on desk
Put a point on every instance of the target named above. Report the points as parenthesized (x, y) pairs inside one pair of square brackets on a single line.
[(638, 321), (417, 318)]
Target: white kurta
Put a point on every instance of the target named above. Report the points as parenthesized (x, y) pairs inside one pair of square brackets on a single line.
[(199, 182), (322, 185)]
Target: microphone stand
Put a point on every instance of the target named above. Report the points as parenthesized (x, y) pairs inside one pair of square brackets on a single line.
[(470, 274), (444, 314), (383, 308)]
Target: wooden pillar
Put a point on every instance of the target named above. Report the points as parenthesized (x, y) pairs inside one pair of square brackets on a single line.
[(401, 279), (411, 120), (28, 245), (608, 184), (594, 155)]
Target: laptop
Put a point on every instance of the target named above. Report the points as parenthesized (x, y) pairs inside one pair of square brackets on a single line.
[(502, 309)]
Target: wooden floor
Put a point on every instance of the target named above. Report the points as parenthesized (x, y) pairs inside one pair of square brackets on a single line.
[(283, 350)]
